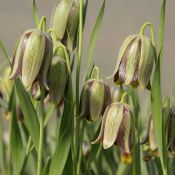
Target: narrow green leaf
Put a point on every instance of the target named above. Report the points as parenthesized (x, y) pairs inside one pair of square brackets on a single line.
[(156, 96), (94, 150), (30, 115), (47, 166), (61, 152), (17, 151), (2, 146), (50, 111), (136, 164), (4, 52), (63, 147), (85, 12), (35, 13), (156, 105), (161, 28), (69, 165), (93, 38)]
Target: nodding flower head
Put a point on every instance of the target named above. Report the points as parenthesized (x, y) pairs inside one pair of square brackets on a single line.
[(95, 97), (117, 127), (135, 62), (65, 22), (32, 57), (57, 79)]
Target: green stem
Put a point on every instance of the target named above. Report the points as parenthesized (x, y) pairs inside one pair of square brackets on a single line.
[(2, 151), (77, 121), (39, 168), (4, 51), (123, 99), (28, 150), (42, 24), (151, 27), (80, 41)]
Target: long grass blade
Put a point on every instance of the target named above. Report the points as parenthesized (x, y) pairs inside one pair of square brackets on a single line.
[(35, 13), (156, 96), (30, 115), (93, 39), (17, 151)]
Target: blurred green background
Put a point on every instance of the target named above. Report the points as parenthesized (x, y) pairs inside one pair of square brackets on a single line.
[(122, 17)]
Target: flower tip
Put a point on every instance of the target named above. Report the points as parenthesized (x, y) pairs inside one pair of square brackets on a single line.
[(126, 158), (106, 145), (110, 76)]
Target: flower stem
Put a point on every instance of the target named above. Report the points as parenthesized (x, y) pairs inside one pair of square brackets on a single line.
[(151, 27), (77, 121), (39, 168)]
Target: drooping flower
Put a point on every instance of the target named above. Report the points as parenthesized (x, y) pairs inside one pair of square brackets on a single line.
[(57, 79), (32, 57), (117, 127), (65, 22), (95, 97), (135, 62)]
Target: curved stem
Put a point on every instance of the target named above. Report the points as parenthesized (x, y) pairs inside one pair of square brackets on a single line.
[(151, 27), (76, 121), (123, 100), (42, 24), (80, 41), (39, 168), (4, 51)]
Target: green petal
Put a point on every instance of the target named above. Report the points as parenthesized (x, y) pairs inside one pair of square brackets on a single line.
[(57, 79), (133, 59), (33, 57), (112, 124), (147, 58), (124, 137), (60, 17), (18, 55), (121, 52), (97, 94)]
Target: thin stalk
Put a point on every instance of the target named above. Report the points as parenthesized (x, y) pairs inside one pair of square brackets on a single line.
[(77, 121), (41, 120), (80, 41), (28, 150), (151, 27), (81, 142), (2, 151)]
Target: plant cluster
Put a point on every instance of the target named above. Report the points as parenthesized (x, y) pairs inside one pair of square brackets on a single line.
[(55, 128)]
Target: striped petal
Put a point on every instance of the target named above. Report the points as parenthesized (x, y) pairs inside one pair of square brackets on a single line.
[(121, 52), (147, 58), (124, 138), (18, 55), (60, 17), (97, 95), (112, 124), (57, 79), (33, 57), (132, 64)]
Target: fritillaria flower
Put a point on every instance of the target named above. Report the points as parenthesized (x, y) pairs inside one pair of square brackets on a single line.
[(32, 57), (95, 97), (65, 22), (135, 62), (117, 127)]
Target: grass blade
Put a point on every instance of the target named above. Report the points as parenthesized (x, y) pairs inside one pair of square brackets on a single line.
[(35, 13), (30, 115), (63, 147), (156, 96), (4, 52), (93, 39), (16, 144)]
